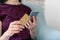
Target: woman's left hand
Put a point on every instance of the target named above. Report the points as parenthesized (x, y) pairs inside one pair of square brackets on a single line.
[(31, 25)]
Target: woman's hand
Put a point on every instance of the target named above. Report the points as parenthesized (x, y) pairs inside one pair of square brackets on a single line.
[(15, 27), (31, 25)]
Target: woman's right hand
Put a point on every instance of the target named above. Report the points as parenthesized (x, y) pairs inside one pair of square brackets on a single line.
[(14, 27)]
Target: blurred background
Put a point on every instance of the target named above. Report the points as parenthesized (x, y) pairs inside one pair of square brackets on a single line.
[(46, 8)]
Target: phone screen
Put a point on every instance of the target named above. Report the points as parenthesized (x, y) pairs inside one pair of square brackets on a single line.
[(33, 13)]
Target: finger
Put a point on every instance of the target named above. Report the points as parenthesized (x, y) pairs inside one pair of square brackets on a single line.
[(29, 22), (17, 26), (20, 23), (15, 32), (13, 26), (16, 22), (34, 19), (22, 27), (26, 26), (16, 29)]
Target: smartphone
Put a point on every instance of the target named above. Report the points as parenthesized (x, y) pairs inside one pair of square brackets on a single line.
[(33, 13)]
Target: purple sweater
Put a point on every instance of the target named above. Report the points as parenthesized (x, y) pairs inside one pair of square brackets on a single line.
[(10, 13)]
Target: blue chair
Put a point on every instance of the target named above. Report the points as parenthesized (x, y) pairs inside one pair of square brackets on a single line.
[(43, 31)]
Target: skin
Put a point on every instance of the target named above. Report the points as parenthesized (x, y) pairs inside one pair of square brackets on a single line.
[(16, 26)]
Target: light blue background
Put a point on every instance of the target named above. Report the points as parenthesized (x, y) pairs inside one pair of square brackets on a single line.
[(43, 31)]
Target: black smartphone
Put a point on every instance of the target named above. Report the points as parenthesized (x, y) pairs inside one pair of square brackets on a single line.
[(33, 13)]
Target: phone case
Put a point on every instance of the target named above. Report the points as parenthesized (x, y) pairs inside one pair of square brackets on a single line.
[(25, 19)]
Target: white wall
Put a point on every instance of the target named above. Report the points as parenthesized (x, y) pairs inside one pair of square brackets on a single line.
[(52, 13)]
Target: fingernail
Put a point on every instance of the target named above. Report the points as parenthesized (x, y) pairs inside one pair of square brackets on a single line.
[(21, 30), (23, 27)]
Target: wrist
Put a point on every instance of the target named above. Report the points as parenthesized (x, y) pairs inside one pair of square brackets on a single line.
[(33, 33), (6, 34), (5, 37)]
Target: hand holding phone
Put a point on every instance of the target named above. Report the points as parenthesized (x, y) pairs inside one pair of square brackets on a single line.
[(27, 17)]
